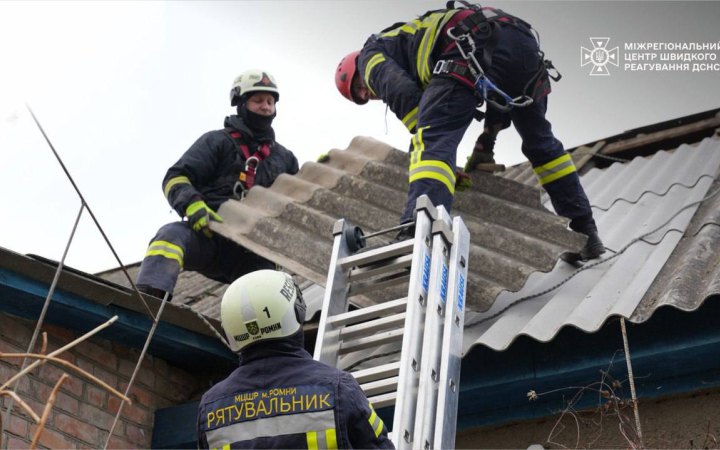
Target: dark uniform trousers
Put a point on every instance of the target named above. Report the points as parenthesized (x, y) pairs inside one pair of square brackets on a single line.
[(176, 246), (447, 108)]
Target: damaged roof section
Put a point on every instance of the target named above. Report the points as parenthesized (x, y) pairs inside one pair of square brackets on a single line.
[(513, 235), (659, 218)]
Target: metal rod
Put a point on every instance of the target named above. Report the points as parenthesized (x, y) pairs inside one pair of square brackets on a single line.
[(41, 319), (387, 230), (97, 224), (631, 379), (156, 320)]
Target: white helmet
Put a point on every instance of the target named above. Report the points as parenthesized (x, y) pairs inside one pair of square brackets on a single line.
[(262, 305), (253, 80)]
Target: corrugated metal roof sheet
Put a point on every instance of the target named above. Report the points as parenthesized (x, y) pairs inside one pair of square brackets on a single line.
[(629, 200)]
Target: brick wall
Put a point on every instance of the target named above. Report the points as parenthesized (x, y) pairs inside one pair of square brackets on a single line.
[(84, 412)]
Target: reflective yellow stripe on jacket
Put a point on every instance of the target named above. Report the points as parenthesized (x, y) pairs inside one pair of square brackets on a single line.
[(432, 26), (375, 421), (410, 119), (317, 440), (173, 182), (167, 250), (376, 59), (433, 169), (555, 169)]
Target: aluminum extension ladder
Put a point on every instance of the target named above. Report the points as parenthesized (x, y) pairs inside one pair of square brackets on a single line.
[(425, 327)]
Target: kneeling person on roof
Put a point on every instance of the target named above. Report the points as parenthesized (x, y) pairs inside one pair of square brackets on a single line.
[(427, 71), (220, 165), (280, 397)]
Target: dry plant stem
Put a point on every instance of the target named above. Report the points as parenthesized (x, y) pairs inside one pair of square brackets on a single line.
[(58, 351), (48, 408), (43, 349), (70, 366), (24, 405)]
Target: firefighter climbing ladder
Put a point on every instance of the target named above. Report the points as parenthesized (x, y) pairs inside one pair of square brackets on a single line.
[(426, 325)]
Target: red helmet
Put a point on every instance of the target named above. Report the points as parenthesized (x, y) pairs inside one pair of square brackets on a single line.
[(344, 75)]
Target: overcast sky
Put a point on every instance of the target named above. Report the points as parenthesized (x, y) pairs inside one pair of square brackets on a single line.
[(123, 89)]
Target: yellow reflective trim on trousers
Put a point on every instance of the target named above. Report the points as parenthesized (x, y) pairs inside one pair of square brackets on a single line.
[(375, 421), (173, 182), (167, 250), (226, 447), (555, 169), (425, 169), (376, 59), (311, 437), (410, 119), (434, 169)]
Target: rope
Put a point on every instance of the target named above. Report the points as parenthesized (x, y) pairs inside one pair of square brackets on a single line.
[(596, 263)]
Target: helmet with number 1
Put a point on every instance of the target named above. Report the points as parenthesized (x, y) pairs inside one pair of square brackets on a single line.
[(260, 306), (250, 81), (344, 75)]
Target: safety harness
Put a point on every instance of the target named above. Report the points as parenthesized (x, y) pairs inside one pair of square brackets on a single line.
[(480, 26), (246, 179)]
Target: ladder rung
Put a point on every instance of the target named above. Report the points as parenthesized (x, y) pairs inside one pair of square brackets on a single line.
[(376, 373), (382, 283), (394, 265), (378, 254), (380, 386), (368, 313), (383, 400), (371, 341), (373, 326)]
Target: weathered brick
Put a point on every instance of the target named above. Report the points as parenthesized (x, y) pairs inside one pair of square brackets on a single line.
[(138, 435), (126, 368), (17, 425), (131, 412), (110, 378), (63, 335), (96, 416), (7, 371), (180, 377), (10, 347), (16, 331), (53, 440), (67, 403), (102, 356), (96, 396), (172, 391), (82, 431), (120, 443), (13, 442), (162, 369)]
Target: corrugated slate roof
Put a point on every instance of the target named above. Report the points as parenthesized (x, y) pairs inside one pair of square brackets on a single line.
[(513, 235), (629, 200)]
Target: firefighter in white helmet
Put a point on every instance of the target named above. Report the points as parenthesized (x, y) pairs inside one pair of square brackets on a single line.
[(222, 164), (280, 397)]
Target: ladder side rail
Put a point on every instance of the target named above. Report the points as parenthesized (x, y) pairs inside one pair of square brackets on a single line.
[(408, 377), (335, 300), (426, 416), (449, 382)]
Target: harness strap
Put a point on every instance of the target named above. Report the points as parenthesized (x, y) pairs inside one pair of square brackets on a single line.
[(246, 178)]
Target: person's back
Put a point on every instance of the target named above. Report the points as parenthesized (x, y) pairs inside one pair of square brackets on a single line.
[(280, 397)]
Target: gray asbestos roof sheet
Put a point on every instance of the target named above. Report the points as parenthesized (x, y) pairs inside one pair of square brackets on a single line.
[(513, 235), (662, 200)]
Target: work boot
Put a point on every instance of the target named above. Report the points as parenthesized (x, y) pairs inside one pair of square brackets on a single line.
[(593, 247), (405, 233)]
